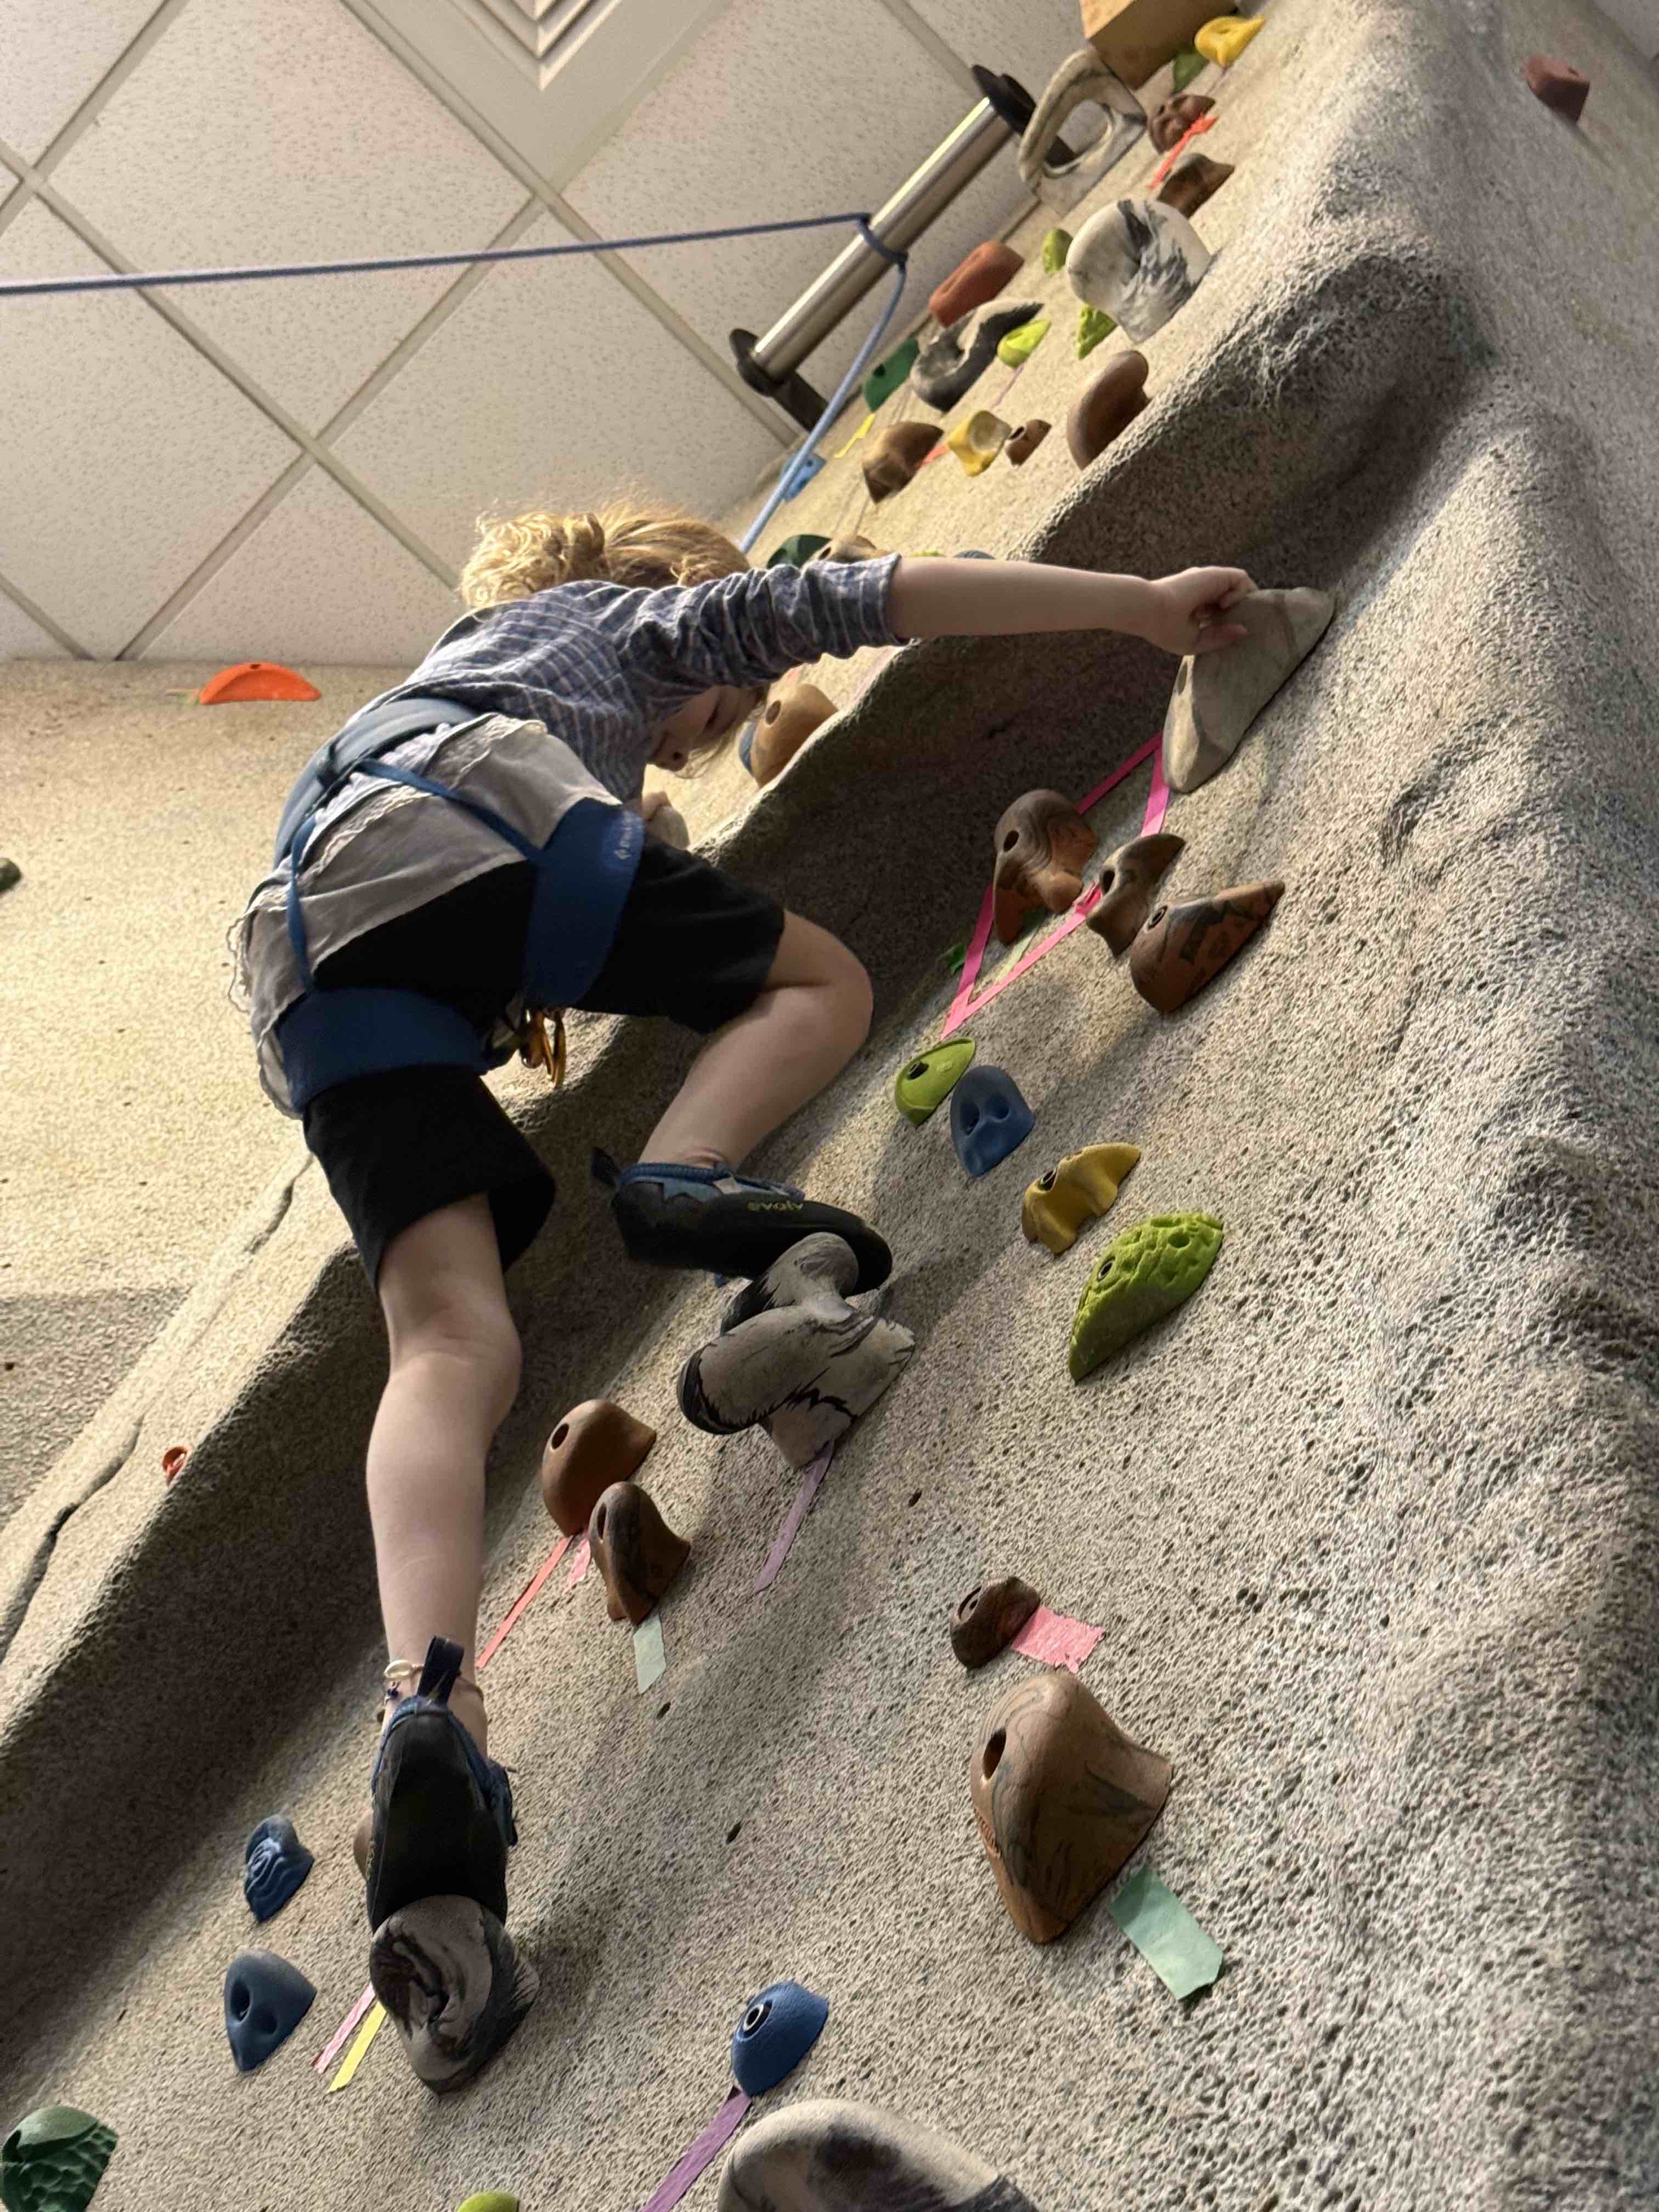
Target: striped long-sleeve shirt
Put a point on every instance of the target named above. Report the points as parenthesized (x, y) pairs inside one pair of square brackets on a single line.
[(570, 688)]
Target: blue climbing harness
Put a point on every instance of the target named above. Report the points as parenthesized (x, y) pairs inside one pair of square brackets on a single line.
[(583, 877)]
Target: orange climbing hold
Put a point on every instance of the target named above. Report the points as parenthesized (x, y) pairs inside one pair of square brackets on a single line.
[(256, 679)]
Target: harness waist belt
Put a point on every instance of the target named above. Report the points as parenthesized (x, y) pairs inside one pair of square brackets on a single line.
[(364, 737)]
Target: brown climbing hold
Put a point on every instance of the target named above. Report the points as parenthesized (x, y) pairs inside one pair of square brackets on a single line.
[(1182, 948), (1558, 84), (894, 455), (1171, 122), (1127, 883), (786, 722), (847, 549), (1042, 844), (634, 1550), (1062, 1797), (989, 1618), (975, 280), (1026, 440), (596, 1443), (1192, 182), (1106, 407)]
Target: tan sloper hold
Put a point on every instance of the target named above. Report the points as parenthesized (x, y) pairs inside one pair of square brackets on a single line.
[(1184, 947), (596, 1443), (1106, 406), (1062, 1797), (894, 455), (1042, 844), (1192, 182), (1026, 440), (1217, 695), (989, 1618), (1126, 884), (786, 723), (636, 1553)]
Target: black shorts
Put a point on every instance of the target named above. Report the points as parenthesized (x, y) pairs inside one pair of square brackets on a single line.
[(691, 945)]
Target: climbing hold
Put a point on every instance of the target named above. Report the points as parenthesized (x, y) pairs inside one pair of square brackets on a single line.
[(596, 1443), (1140, 260), (828, 2154), (1127, 883), (1026, 440), (886, 378), (786, 722), (777, 2030), (1017, 348), (53, 2159), (1558, 84), (978, 439), (452, 1985), (922, 1085), (1171, 122), (1217, 695), (668, 826), (989, 1618), (894, 455), (10, 874), (979, 276), (951, 363), (171, 1460), (1042, 844), (274, 1865), (265, 2000), (255, 679), (1225, 37), (1081, 1189), (989, 1119), (1093, 323), (1055, 248), (793, 1357), (1048, 168), (795, 552), (1106, 407), (1062, 1797), (635, 1550), (1181, 948), (849, 548), (1186, 65), (1142, 1275), (490, 2200), (1192, 181)]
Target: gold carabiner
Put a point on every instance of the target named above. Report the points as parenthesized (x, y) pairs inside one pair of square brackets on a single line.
[(537, 1049)]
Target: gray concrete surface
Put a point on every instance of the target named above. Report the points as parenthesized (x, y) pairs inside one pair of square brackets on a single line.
[(1370, 1525)]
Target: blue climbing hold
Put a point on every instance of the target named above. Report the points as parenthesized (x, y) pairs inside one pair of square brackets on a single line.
[(989, 1119), (274, 1865), (777, 2030), (265, 2000)]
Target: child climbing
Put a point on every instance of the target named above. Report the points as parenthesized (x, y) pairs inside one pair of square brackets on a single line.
[(467, 858)]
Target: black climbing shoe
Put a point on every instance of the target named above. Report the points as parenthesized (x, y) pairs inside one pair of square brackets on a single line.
[(678, 1217), (442, 1812)]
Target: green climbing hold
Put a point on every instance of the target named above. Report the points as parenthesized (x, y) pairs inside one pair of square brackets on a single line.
[(1055, 248), (491, 2200), (795, 552), (886, 378), (53, 2161), (1186, 66), (1017, 348), (1093, 323), (922, 1085), (1143, 1274)]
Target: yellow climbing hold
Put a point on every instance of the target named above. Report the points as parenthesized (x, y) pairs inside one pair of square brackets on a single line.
[(1019, 345), (978, 441), (1225, 37), (1081, 1189), (491, 2200)]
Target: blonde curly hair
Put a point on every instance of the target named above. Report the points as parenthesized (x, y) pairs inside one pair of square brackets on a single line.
[(645, 547)]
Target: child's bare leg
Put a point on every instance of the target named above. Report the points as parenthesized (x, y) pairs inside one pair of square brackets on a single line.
[(454, 1373), (750, 1077)]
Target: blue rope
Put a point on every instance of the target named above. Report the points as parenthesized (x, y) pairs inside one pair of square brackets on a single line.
[(115, 281)]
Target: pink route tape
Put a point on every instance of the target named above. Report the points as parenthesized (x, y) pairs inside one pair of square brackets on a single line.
[(578, 1565), (965, 1003), (515, 1613), (811, 1477), (697, 2154), (1057, 1639), (1192, 130)]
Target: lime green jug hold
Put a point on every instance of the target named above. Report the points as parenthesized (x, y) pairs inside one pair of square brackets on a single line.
[(1055, 248), (924, 1084), (1093, 323), (1144, 1274), (491, 2200)]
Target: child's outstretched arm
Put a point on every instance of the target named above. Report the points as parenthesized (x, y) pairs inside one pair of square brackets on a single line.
[(996, 598)]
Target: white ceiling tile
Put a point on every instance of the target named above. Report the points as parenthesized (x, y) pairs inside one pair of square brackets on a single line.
[(127, 456), (21, 637), (1029, 42), (552, 385), (317, 581), (53, 54), (273, 130), (747, 124)]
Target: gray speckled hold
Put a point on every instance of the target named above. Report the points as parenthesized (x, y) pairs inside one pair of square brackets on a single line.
[(1217, 695), (1138, 261), (829, 2154)]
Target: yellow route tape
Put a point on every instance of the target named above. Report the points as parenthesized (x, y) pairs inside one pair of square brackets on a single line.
[(353, 2057)]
